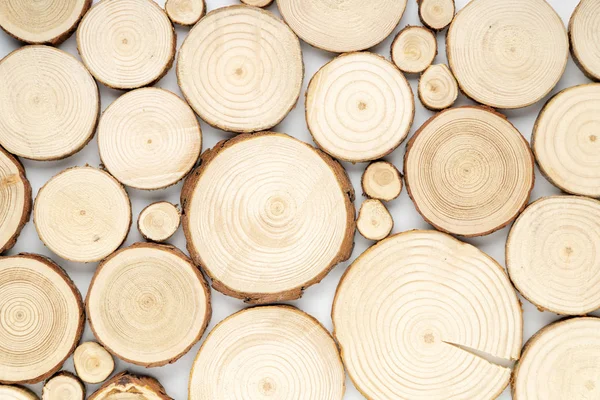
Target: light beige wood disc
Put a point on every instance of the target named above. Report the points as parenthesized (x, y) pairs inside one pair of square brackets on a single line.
[(16, 393), (126, 386), (406, 310), (585, 38), (414, 48), (49, 103), (241, 69), (15, 200), (436, 14), (359, 107), (42, 318), (381, 180), (185, 12), (267, 215), (126, 44), (257, 3), (159, 221), (438, 88), (93, 363), (507, 54), (63, 386), (271, 352), (480, 171), (82, 214), (374, 221)]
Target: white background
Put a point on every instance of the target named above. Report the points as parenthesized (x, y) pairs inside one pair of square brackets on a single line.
[(317, 300)]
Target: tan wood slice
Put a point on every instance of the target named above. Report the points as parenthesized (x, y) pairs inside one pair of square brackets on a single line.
[(63, 386), (127, 44), (436, 14), (276, 352), (49, 103), (42, 318), (257, 3), (566, 140), (507, 54), (185, 12), (585, 39), (159, 221), (149, 139), (381, 180), (414, 48), (438, 88), (359, 107), (425, 303), (16, 393), (241, 69), (480, 171), (93, 363), (15, 200), (125, 386), (148, 304), (267, 216), (374, 220)]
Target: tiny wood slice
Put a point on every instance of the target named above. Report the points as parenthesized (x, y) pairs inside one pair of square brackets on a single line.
[(149, 139), (436, 14), (42, 318), (509, 53), (479, 171), (585, 40), (414, 49), (16, 393), (374, 220), (159, 221), (15, 200), (274, 352), (438, 89), (359, 107), (92, 362), (418, 299), (126, 386), (241, 69), (257, 3), (126, 44), (185, 12), (63, 386), (382, 180)]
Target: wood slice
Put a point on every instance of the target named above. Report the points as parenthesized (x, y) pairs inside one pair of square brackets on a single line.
[(585, 41), (419, 301), (267, 216), (92, 362), (566, 140), (82, 214), (125, 386), (257, 3), (507, 54), (127, 44), (438, 88), (148, 304), (414, 48), (480, 171), (42, 318), (185, 12), (274, 352), (359, 107), (15, 200), (63, 386), (16, 393), (49, 103), (381, 180), (374, 220), (159, 221), (436, 14), (241, 69), (149, 139)]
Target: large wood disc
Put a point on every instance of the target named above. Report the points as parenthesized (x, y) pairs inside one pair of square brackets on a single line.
[(480, 171), (408, 310), (507, 54), (16, 393), (585, 39), (125, 386), (15, 200), (42, 318), (276, 352), (63, 386), (266, 216)]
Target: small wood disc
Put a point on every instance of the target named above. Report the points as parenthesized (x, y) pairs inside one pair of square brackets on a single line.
[(126, 44), (382, 180), (42, 318), (414, 49), (416, 301), (257, 3), (185, 12), (16, 393), (566, 140), (15, 200), (126, 386), (374, 220), (438, 88), (63, 386), (93, 363), (82, 214), (507, 54), (149, 139), (159, 221), (266, 216), (359, 107), (436, 14), (585, 40), (479, 171), (148, 304), (274, 352)]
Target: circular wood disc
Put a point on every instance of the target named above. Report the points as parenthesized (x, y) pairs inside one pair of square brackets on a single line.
[(566, 140), (149, 139), (125, 385), (159, 221), (63, 386), (438, 89), (436, 14), (148, 304), (359, 107), (507, 54), (82, 214), (418, 301), (480, 171), (15, 200), (414, 48), (93, 363), (42, 318), (257, 3), (267, 215), (49, 103), (585, 39), (374, 220), (241, 69), (16, 393), (126, 44), (382, 180), (185, 12), (274, 352)]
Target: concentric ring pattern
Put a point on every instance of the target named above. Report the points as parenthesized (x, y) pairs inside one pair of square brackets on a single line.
[(438, 88), (15, 200), (10, 392), (159, 221), (414, 49), (585, 37)]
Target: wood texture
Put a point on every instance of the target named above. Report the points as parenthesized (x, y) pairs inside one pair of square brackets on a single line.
[(159, 221), (257, 3), (374, 220), (185, 12), (16, 393), (414, 48), (381, 180), (15, 200), (436, 14), (93, 363), (125, 386), (585, 39), (63, 386), (438, 88)]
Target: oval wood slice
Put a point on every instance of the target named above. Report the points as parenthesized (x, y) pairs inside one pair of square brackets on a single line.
[(436, 14), (42, 318), (374, 220), (268, 352), (16, 393), (159, 221), (434, 298), (381, 180), (49, 103), (127, 386), (126, 44), (438, 88), (63, 386), (93, 363), (414, 48), (185, 12), (507, 54), (585, 43), (257, 3), (480, 171), (15, 200), (359, 107)]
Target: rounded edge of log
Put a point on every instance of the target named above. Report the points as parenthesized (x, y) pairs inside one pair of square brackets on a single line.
[(147, 235), (428, 24), (592, 75), (406, 30), (28, 201), (180, 21), (21, 391), (66, 374), (98, 349), (369, 192), (124, 381)]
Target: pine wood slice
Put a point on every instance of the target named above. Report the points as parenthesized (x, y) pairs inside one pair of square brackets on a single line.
[(480, 171), (266, 216), (42, 318), (584, 37), (507, 54), (416, 301), (82, 214), (436, 14), (241, 69), (15, 200), (274, 352), (374, 220), (438, 88), (566, 140), (125, 386), (382, 180), (49, 103), (93, 363), (126, 44), (359, 107), (257, 3), (16, 393), (159, 221), (414, 48), (185, 12), (63, 386)]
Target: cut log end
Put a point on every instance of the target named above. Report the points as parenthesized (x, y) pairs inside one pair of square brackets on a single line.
[(382, 180), (159, 221), (63, 386), (124, 385), (185, 12), (374, 220), (11, 392), (257, 3), (582, 31), (436, 14), (92, 362), (438, 88), (15, 197), (414, 49)]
